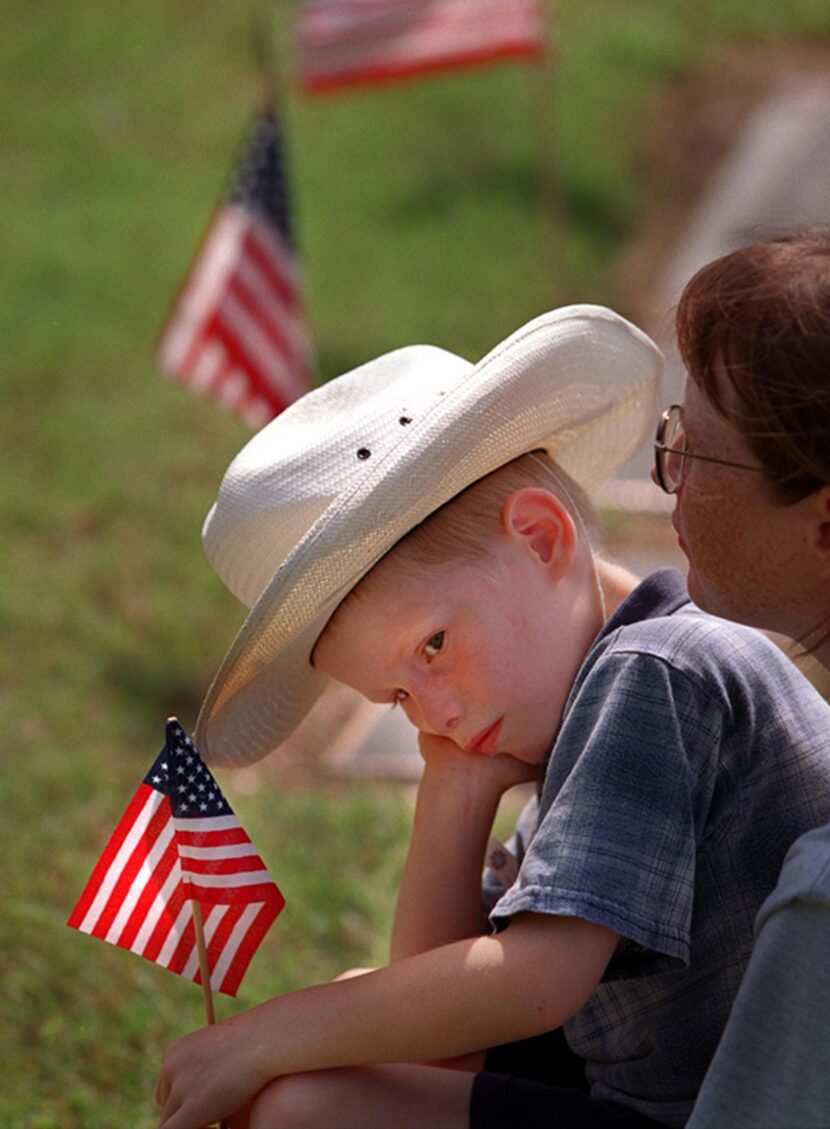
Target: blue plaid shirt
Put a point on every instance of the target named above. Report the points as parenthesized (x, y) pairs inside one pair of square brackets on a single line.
[(691, 755)]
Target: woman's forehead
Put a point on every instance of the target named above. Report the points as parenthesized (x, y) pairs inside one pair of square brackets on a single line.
[(701, 413)]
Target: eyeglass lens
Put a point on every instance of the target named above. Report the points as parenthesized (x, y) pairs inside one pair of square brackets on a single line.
[(674, 439)]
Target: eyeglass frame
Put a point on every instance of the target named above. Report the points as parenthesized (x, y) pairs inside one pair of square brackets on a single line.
[(661, 452)]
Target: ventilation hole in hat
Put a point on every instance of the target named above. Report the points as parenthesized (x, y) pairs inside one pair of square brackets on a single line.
[(404, 420), (364, 453)]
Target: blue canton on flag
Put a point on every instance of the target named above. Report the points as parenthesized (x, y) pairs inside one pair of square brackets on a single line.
[(259, 182), (188, 781)]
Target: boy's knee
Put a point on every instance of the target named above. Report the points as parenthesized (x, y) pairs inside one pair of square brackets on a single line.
[(297, 1101)]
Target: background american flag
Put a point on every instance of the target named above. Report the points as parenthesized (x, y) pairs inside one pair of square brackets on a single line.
[(237, 331), (341, 42)]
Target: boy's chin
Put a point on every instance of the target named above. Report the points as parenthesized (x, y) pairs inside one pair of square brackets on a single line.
[(536, 757)]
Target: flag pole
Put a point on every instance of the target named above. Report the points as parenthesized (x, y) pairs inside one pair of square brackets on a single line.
[(204, 969), (554, 212), (264, 54), (201, 947)]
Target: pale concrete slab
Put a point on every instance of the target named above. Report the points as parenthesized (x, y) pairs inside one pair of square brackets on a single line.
[(777, 177)]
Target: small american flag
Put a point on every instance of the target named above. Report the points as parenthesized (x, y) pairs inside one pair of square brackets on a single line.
[(237, 331), (342, 42), (179, 840)]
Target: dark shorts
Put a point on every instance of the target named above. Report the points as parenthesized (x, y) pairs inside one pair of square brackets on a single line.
[(540, 1084)]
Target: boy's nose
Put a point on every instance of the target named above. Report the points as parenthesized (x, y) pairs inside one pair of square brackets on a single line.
[(440, 712)]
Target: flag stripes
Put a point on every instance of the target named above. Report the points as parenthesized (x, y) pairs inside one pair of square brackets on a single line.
[(342, 42), (121, 861)]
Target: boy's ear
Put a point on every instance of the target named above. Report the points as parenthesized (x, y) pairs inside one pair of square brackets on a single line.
[(536, 519)]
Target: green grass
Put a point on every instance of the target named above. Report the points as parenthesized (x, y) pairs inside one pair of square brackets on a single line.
[(84, 1023), (420, 218)]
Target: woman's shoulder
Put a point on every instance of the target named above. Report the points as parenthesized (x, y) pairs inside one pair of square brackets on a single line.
[(805, 875)]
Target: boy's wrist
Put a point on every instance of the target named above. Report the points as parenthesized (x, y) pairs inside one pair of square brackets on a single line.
[(471, 774), (456, 782)]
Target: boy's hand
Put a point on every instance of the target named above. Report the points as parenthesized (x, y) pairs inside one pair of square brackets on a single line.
[(458, 797), (499, 773), (211, 1073)]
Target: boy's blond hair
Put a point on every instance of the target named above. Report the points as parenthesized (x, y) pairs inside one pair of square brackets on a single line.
[(467, 526)]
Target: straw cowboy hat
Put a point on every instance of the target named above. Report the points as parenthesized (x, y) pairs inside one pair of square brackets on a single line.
[(318, 496)]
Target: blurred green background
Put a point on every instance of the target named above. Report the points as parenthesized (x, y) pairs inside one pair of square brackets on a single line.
[(421, 215)]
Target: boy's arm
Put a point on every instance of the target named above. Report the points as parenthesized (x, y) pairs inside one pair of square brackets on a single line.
[(439, 900), (446, 1002)]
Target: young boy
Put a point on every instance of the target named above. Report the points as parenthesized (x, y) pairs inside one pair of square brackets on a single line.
[(418, 530)]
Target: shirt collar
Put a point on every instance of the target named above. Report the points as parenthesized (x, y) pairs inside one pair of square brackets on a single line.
[(661, 593)]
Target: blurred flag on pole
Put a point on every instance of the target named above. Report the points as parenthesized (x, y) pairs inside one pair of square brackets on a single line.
[(237, 331), (343, 42), (178, 841)]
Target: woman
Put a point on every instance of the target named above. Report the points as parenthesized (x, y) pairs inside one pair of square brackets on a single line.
[(748, 457)]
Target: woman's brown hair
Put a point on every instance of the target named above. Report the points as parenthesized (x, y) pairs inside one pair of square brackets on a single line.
[(763, 312)]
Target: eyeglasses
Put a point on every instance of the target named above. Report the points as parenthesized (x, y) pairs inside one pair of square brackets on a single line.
[(670, 452)]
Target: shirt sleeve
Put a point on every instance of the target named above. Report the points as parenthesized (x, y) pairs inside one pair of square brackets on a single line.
[(772, 1066), (626, 793), (503, 860)]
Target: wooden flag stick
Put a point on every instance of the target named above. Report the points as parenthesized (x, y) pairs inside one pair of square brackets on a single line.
[(204, 970), (263, 45), (201, 948)]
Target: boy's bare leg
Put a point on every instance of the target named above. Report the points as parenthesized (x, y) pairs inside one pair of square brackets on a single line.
[(366, 1097)]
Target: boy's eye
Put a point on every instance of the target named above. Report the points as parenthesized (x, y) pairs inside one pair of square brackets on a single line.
[(400, 695), (434, 645)]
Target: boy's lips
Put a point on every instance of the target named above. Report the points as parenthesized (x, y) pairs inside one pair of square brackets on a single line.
[(485, 741)]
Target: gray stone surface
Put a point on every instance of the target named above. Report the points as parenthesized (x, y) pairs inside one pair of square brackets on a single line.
[(776, 177), (387, 748)]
